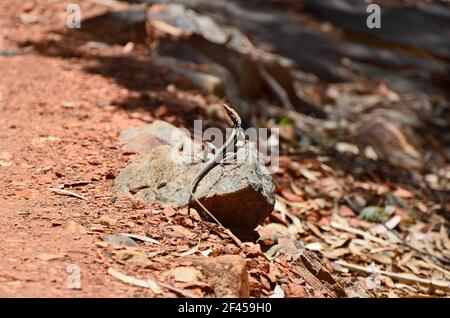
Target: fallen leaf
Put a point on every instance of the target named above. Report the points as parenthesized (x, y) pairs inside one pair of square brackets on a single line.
[(308, 174), (5, 163), (292, 197), (68, 193), (381, 258), (345, 211), (444, 236), (206, 252), (404, 277), (148, 283), (68, 105), (277, 292), (412, 265), (191, 251), (315, 230), (387, 281), (393, 222), (346, 147), (50, 257), (354, 249), (402, 193), (336, 253), (316, 246), (141, 238), (336, 241)]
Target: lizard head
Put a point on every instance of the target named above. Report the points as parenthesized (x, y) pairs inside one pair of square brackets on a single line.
[(232, 116)]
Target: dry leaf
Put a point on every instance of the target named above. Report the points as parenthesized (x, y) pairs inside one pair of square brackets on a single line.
[(413, 266), (148, 283), (405, 258), (140, 238), (277, 292), (362, 233), (402, 193), (50, 257), (315, 230), (5, 163), (404, 277), (354, 249), (444, 236), (308, 174), (206, 252), (292, 197), (393, 222), (316, 246), (387, 281), (336, 241), (190, 251), (68, 193), (381, 258), (336, 253)]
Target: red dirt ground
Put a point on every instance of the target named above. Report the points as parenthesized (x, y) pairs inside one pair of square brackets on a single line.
[(42, 98), (60, 117)]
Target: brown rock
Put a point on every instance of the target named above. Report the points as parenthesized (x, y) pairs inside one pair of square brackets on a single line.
[(75, 228), (227, 274), (107, 221)]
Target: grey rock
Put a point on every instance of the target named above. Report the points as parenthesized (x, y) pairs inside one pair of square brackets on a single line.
[(119, 240), (239, 195)]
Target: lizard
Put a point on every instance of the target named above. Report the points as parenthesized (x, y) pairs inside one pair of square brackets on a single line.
[(234, 120)]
